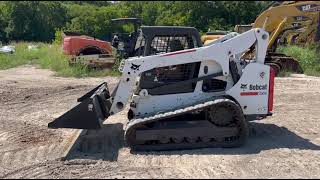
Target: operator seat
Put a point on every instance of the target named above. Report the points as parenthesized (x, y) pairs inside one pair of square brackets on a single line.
[(175, 45)]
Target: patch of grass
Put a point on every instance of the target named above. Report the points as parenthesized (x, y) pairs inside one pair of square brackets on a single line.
[(49, 56), (20, 57), (308, 58)]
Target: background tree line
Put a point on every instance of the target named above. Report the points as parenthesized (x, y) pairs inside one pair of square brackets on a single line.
[(38, 21)]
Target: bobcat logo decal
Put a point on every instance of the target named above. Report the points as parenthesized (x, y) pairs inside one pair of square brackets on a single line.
[(243, 86), (135, 67)]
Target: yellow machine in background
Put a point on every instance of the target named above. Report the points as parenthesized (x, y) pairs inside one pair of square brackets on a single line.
[(288, 22), (291, 16), (293, 22), (212, 36)]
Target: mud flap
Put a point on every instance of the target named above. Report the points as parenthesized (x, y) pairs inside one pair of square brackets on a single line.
[(89, 113)]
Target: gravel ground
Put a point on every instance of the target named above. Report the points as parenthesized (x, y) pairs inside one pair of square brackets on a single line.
[(286, 145)]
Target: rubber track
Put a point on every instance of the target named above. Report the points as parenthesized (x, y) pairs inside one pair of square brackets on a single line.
[(135, 123)]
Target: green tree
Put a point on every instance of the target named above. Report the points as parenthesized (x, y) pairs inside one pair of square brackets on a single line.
[(34, 21), (38, 21), (91, 20), (3, 22)]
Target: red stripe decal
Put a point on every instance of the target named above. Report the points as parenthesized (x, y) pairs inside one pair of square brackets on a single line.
[(271, 89), (179, 52), (248, 93)]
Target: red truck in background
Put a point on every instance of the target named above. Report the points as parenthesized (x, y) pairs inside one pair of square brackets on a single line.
[(87, 50)]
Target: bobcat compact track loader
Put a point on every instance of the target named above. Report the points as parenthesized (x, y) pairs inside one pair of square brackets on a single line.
[(195, 98)]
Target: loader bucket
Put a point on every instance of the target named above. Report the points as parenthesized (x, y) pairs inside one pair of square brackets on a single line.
[(91, 111)]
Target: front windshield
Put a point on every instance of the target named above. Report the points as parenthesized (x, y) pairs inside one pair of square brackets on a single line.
[(124, 28)]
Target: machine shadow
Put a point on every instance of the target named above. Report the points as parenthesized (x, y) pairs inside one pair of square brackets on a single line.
[(102, 144), (262, 137)]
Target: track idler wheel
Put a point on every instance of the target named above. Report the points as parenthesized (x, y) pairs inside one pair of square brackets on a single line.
[(229, 114)]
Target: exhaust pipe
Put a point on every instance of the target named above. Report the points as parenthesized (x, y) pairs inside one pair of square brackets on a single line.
[(92, 110)]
